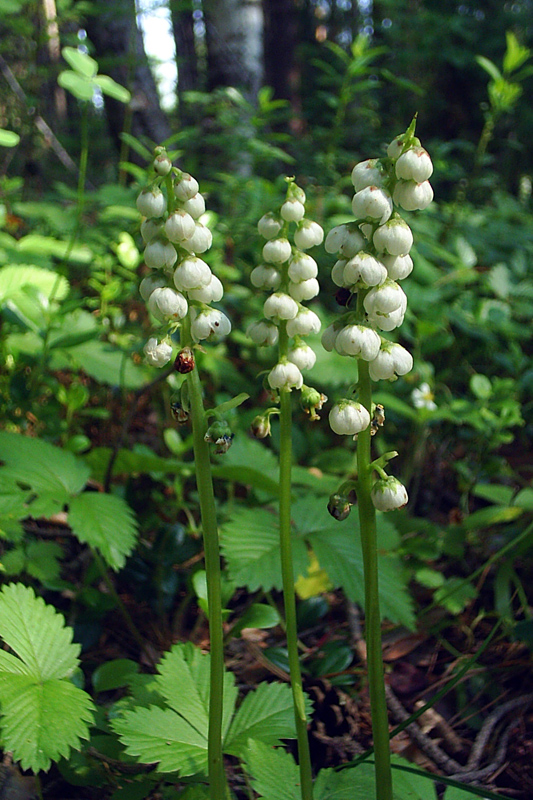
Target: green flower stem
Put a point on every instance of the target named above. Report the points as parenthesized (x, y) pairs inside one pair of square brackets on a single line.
[(202, 461), (367, 520), (287, 572)]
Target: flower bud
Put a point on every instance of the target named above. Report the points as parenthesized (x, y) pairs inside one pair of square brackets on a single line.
[(211, 293), (210, 323), (151, 202), (302, 267), (277, 251), (303, 356), (364, 267), (292, 210), (150, 228), (413, 196), (150, 283), (159, 254), (261, 426), (353, 243), (157, 354), (308, 234), (367, 173), (179, 226), (200, 241), (195, 206), (358, 340), (304, 323), (263, 333), (265, 277), (335, 239), (285, 375), (166, 304), (398, 267), (304, 290), (391, 361), (186, 187), (339, 506), (162, 164), (280, 306), (269, 226), (394, 237), (348, 418), (395, 148), (372, 202), (388, 494), (192, 273), (384, 299), (414, 165)]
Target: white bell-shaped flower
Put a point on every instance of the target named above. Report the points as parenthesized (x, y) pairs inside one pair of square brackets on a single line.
[(367, 173), (384, 299), (304, 323), (280, 306), (348, 418), (372, 202), (186, 187), (308, 234), (398, 267), (265, 277), (329, 337), (366, 268), (157, 354), (302, 355), (337, 272), (392, 360), (394, 237), (151, 202), (277, 251), (210, 323), (358, 340), (151, 282), (211, 293), (285, 375), (179, 226), (353, 243), (192, 273), (302, 267), (414, 165), (335, 239), (292, 210), (159, 254), (150, 228), (167, 304), (390, 321), (304, 290), (269, 226), (200, 241), (413, 196), (395, 148), (195, 206), (263, 333), (388, 494)]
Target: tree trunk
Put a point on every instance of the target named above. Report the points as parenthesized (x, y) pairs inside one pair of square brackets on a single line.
[(181, 13), (119, 50), (281, 35), (234, 34)]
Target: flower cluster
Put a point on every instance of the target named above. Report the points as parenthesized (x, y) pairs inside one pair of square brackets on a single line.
[(373, 256), (290, 273), (181, 283)]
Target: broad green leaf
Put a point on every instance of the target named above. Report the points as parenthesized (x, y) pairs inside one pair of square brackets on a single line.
[(105, 363), (245, 476), (48, 245), (258, 615), (273, 772), (42, 560), (515, 55), (8, 138), (524, 499), (265, 715), (493, 515), (78, 85), (359, 783), (112, 88), (114, 674), (455, 595), (54, 475), (80, 62), (14, 278), (250, 545), (105, 522), (43, 714), (160, 736), (494, 493)]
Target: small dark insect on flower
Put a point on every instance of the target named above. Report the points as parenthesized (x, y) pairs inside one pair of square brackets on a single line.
[(184, 362)]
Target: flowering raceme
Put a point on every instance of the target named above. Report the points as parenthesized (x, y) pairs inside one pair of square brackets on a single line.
[(181, 283)]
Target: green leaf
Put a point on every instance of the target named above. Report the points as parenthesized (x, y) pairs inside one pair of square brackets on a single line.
[(494, 493), (35, 243), (493, 515), (53, 474), (455, 595), (265, 715), (78, 85), (15, 278), (489, 67), (359, 783), (112, 88), (258, 615), (481, 386), (80, 62), (159, 736), (273, 772), (43, 560), (515, 55), (8, 138), (114, 674), (105, 522), (524, 499), (105, 363), (43, 714)]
